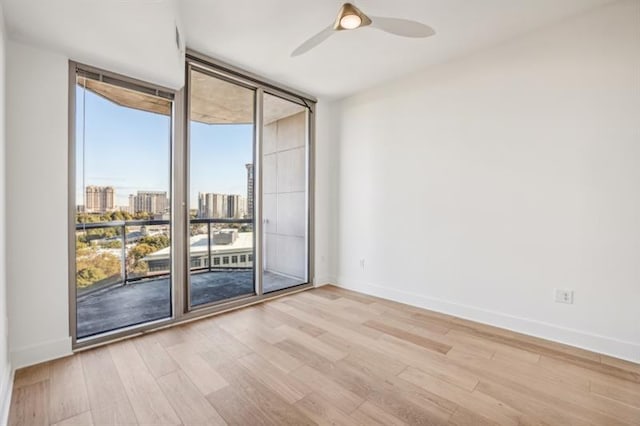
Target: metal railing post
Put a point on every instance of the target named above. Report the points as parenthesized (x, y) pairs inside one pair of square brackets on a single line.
[(124, 254), (209, 243)]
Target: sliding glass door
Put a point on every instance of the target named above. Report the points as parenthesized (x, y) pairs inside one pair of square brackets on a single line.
[(221, 181), (184, 203)]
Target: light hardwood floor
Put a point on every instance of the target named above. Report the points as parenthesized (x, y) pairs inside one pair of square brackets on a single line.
[(330, 356)]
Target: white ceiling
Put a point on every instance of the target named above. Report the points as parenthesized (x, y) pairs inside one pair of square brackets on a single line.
[(133, 37), (137, 37)]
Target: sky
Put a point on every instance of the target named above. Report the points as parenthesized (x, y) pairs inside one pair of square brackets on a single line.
[(130, 150)]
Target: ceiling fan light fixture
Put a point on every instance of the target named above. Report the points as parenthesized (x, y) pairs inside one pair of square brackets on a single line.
[(350, 17), (350, 22)]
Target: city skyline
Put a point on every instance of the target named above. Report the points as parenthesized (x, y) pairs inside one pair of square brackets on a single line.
[(98, 201), (101, 199)]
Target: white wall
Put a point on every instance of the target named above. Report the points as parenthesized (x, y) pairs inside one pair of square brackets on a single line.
[(326, 193), (5, 365), (36, 156), (479, 186)]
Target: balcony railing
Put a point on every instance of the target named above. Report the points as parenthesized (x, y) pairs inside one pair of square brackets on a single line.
[(208, 222), (102, 245)]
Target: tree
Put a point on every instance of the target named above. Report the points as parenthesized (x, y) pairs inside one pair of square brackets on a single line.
[(142, 216), (81, 241), (135, 264), (112, 244), (93, 266), (158, 242), (90, 275)]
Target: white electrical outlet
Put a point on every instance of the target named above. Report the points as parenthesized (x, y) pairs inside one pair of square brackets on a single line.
[(564, 296)]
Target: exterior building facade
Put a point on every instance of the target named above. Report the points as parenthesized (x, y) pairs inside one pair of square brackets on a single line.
[(229, 250), (149, 201), (236, 206), (249, 212), (211, 205), (99, 199), (221, 206)]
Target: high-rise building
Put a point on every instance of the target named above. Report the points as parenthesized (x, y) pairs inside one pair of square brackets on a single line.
[(249, 212), (212, 205), (99, 199), (221, 206), (241, 211), (236, 206), (205, 205), (149, 201)]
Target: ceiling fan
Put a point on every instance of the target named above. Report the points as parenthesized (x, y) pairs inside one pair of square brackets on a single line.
[(351, 18)]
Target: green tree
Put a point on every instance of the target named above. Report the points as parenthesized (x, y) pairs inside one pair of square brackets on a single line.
[(87, 218), (158, 242), (135, 264), (147, 245), (112, 244), (93, 266), (142, 216), (90, 275)]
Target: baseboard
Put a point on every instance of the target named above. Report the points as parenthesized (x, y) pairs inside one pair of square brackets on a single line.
[(6, 389), (320, 281), (617, 348), (30, 355)]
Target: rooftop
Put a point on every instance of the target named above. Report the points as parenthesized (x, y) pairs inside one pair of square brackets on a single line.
[(198, 244)]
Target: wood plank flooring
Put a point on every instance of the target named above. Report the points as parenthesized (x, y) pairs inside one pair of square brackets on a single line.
[(330, 356)]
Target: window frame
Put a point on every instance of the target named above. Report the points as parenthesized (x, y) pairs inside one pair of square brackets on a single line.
[(75, 69), (181, 311)]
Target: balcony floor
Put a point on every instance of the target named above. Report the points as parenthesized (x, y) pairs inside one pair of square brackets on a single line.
[(121, 306)]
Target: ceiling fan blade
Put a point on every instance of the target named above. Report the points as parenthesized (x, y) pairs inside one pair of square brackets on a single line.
[(313, 41), (402, 27)]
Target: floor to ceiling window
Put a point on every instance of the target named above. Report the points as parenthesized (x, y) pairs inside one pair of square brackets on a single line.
[(184, 203), (122, 203), (221, 147)]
